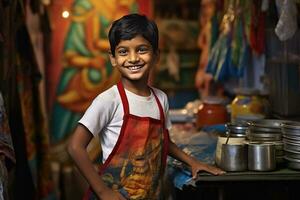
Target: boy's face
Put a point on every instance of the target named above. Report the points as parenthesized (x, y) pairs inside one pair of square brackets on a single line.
[(134, 58)]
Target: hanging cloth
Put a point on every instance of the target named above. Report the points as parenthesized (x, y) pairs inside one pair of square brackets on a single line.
[(7, 154), (257, 28), (230, 53)]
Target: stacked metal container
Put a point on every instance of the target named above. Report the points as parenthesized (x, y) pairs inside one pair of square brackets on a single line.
[(235, 135), (291, 141), (268, 131)]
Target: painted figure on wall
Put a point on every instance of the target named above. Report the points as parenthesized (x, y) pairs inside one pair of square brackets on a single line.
[(205, 40), (86, 70)]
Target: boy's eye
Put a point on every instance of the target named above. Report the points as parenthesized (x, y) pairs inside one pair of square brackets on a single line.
[(122, 52), (142, 50)]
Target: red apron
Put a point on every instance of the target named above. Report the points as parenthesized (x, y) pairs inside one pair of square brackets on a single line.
[(136, 165)]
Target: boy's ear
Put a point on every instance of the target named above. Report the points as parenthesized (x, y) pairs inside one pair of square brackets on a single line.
[(157, 56), (112, 59)]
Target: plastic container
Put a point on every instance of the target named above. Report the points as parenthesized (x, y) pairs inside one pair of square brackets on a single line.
[(248, 105), (211, 112)]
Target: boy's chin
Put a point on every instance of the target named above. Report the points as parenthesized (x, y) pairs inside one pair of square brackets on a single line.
[(136, 78)]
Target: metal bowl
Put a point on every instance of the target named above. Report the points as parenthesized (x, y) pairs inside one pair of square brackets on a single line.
[(292, 154), (263, 139), (236, 128), (293, 138), (290, 131), (264, 129), (232, 135), (292, 147), (293, 163), (289, 141), (291, 125), (269, 123), (257, 136), (269, 135)]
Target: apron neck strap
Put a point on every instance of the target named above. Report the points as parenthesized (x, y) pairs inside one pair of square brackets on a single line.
[(126, 104), (161, 111), (123, 98)]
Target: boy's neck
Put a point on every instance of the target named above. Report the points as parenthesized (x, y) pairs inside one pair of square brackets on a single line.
[(140, 88)]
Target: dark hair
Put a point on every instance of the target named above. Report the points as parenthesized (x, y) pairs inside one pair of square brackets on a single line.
[(129, 26)]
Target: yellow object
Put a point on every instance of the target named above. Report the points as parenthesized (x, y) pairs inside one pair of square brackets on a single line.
[(248, 107)]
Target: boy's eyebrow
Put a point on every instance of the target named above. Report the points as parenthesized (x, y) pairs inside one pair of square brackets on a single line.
[(146, 45), (140, 45), (119, 47)]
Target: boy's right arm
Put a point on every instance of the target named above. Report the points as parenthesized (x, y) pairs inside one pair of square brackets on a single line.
[(77, 149)]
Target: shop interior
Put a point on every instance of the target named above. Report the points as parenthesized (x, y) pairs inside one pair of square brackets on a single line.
[(230, 69)]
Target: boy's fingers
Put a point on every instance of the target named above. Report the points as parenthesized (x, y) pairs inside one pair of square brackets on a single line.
[(218, 171), (195, 174), (215, 170)]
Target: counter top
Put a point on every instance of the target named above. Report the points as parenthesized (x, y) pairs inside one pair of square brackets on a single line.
[(280, 174), (202, 145)]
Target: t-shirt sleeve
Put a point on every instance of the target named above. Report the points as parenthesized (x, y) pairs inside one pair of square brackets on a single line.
[(165, 105), (98, 114), (168, 121)]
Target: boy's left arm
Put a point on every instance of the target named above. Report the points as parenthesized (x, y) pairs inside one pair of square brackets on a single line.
[(194, 164)]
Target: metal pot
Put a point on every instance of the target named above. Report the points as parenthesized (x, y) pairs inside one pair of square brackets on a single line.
[(222, 140), (234, 157), (261, 156)]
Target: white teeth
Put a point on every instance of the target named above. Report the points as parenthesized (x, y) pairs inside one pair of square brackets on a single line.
[(134, 68)]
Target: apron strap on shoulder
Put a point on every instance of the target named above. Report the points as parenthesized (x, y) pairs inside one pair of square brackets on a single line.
[(123, 98)]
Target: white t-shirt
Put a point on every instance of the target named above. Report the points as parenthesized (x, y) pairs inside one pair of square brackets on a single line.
[(104, 117)]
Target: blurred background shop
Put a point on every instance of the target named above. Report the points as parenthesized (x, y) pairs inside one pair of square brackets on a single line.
[(223, 63)]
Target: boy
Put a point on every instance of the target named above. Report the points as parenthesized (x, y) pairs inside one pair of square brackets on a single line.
[(131, 119)]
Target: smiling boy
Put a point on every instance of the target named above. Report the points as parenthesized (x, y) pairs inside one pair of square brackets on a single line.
[(131, 119)]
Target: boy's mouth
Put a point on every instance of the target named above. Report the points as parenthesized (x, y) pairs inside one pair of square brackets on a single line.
[(134, 67)]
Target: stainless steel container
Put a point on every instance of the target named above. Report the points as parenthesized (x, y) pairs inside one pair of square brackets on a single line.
[(222, 140), (236, 129), (261, 156), (234, 157)]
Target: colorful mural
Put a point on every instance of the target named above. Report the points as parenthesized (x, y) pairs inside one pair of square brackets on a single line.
[(80, 68)]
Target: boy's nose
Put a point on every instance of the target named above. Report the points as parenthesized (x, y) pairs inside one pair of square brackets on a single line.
[(133, 58)]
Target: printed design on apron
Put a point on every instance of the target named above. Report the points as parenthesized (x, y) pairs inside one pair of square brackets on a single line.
[(136, 164)]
